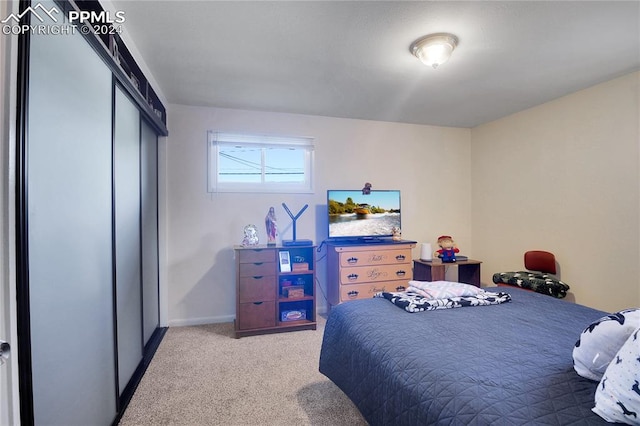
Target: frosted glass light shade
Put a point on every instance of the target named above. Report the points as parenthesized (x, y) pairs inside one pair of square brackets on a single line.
[(434, 49)]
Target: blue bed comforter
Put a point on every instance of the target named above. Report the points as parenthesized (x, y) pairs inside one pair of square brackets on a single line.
[(507, 364)]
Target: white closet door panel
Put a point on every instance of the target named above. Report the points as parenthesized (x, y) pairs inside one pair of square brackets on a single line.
[(69, 232), (127, 231), (149, 188)]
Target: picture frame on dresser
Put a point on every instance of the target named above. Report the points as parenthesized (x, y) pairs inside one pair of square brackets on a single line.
[(285, 261)]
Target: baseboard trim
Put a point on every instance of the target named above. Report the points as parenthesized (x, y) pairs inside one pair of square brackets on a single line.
[(185, 322)]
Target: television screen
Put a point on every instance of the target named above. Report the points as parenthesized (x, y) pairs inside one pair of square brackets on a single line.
[(355, 215)]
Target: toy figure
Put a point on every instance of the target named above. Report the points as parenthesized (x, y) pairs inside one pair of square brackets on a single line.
[(272, 227), (250, 236), (396, 234), (448, 249)]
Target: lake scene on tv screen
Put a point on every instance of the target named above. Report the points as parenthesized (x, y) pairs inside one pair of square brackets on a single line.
[(353, 214)]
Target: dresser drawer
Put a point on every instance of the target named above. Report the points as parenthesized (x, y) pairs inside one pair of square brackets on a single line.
[(364, 274), (256, 315), (375, 257), (258, 269), (257, 255), (257, 288), (366, 291)]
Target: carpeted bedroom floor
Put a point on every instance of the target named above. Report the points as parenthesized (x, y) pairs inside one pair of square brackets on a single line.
[(201, 375)]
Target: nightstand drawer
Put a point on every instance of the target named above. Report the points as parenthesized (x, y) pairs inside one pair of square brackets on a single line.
[(375, 273), (257, 289), (257, 255), (375, 257), (256, 315), (366, 291), (258, 269)]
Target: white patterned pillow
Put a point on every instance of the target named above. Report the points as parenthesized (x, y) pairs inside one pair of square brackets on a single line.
[(443, 289), (599, 342), (618, 394)]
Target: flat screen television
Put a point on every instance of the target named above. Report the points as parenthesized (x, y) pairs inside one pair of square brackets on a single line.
[(353, 215)]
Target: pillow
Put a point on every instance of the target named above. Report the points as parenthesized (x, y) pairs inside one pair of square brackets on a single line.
[(443, 289), (618, 394), (599, 342)]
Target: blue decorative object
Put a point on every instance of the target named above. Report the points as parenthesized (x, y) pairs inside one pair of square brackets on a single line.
[(295, 242)]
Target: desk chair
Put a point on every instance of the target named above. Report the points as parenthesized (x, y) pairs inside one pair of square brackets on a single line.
[(539, 276)]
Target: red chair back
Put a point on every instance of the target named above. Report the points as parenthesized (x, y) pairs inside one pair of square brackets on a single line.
[(538, 260)]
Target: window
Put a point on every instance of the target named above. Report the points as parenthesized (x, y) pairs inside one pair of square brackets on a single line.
[(258, 163)]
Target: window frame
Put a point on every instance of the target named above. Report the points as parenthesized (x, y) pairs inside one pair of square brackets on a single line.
[(216, 140)]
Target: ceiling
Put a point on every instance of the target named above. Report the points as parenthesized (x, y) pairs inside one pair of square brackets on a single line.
[(351, 59)]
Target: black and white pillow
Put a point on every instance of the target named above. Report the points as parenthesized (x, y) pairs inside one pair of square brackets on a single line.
[(618, 394), (601, 340)]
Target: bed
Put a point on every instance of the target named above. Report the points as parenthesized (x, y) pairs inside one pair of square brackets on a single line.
[(503, 364)]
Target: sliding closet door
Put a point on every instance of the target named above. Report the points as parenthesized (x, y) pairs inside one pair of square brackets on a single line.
[(149, 193), (127, 231), (69, 238)]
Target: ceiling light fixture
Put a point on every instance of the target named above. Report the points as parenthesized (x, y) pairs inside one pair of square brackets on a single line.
[(434, 49)]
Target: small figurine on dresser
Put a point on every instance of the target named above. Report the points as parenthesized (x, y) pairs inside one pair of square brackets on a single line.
[(250, 236), (448, 249), (396, 234), (272, 227)]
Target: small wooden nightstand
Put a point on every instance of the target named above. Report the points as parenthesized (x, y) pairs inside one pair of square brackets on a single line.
[(434, 270)]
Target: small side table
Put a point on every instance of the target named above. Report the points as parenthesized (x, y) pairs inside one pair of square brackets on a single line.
[(434, 270)]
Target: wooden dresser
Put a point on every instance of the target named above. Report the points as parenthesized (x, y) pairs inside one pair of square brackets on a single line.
[(360, 271), (265, 300)]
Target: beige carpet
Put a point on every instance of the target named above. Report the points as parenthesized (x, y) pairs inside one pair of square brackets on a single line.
[(201, 375)]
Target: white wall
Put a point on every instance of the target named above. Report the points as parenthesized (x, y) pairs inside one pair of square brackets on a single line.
[(564, 177), (430, 165)]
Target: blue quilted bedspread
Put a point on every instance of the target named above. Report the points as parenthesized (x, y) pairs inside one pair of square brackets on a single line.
[(507, 364)]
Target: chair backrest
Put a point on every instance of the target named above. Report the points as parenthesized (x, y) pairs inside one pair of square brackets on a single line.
[(538, 260)]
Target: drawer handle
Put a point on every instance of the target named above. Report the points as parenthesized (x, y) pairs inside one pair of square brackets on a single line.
[(400, 273), (400, 257), (352, 277), (352, 260), (353, 293), (401, 288), (258, 263), (258, 277), (258, 303)]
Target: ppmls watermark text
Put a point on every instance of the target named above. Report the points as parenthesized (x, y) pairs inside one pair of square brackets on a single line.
[(84, 22)]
